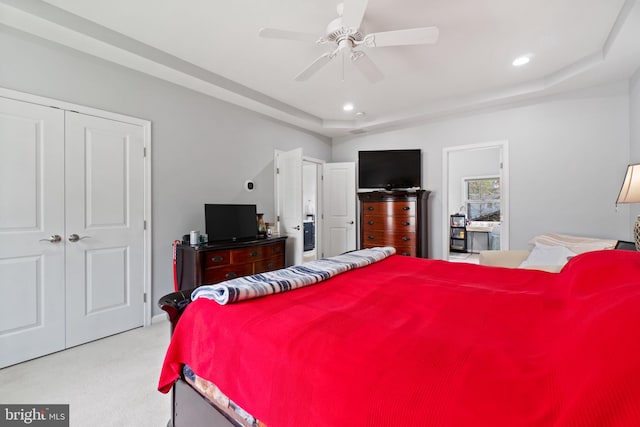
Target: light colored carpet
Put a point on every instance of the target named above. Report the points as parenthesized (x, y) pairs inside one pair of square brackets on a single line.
[(109, 382)]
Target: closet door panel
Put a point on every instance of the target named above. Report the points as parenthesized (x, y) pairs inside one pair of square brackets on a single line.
[(31, 215), (105, 226)]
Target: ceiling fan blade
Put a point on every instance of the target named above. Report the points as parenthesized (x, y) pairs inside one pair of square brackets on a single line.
[(425, 35), (272, 33), (315, 66), (366, 66), (353, 13)]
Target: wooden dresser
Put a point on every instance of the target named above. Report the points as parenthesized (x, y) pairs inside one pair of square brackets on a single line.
[(217, 262), (395, 218)]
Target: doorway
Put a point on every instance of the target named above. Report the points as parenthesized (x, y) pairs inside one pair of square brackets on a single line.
[(315, 206), (476, 189), (311, 176)]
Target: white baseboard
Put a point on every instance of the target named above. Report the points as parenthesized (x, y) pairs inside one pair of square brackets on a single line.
[(162, 317)]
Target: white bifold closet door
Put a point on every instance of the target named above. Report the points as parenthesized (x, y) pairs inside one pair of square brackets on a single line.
[(71, 229), (104, 223)]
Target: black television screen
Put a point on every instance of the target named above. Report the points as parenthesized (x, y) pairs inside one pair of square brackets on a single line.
[(230, 222), (389, 169)]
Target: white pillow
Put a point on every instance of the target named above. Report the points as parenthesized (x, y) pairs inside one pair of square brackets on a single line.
[(547, 255), (576, 244)]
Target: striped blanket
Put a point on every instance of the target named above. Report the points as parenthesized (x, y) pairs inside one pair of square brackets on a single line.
[(286, 279)]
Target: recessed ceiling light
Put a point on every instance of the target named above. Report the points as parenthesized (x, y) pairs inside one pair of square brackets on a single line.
[(347, 107), (520, 61)]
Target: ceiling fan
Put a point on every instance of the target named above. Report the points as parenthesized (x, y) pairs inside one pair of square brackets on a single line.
[(345, 32)]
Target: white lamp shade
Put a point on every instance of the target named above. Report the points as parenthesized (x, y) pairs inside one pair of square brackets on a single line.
[(630, 191)]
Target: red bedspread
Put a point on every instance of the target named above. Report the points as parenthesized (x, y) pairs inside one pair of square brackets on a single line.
[(412, 342)]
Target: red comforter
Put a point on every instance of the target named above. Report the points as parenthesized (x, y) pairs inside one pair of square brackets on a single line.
[(412, 342)]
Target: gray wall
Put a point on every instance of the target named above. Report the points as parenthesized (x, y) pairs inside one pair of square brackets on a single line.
[(634, 129), (203, 149), (567, 157)]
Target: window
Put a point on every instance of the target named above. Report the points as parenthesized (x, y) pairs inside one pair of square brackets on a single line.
[(483, 198)]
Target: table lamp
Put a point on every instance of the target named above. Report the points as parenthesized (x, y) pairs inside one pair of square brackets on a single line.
[(630, 193)]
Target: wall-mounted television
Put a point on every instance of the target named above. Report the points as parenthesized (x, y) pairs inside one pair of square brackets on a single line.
[(227, 222), (389, 170)]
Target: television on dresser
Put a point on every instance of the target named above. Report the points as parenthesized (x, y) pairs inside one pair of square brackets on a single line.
[(389, 170), (230, 223)]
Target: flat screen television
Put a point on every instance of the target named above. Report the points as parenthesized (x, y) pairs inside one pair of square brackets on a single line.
[(226, 222), (389, 170)]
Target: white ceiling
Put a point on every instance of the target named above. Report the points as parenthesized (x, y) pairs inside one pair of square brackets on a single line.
[(213, 46)]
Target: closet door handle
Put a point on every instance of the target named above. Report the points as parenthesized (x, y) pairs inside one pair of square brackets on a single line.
[(74, 237), (53, 239)]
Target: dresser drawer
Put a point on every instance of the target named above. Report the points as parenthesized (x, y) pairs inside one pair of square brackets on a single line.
[(400, 250), (274, 249), (406, 250), (389, 223), (242, 255), (255, 253), (216, 258), (398, 208), (228, 272), (268, 264), (388, 238)]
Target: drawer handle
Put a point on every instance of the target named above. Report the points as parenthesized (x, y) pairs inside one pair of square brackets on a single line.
[(271, 266), (254, 253), (370, 223), (406, 254), (217, 258), (370, 208), (406, 223), (231, 275), (406, 239), (406, 208), (371, 237), (277, 249)]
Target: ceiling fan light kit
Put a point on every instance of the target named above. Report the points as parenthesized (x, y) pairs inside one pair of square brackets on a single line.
[(345, 32)]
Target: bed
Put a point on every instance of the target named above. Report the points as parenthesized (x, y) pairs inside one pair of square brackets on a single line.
[(408, 341)]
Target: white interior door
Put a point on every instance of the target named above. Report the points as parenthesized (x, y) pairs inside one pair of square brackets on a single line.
[(32, 276), (104, 227), (339, 207), (289, 202)]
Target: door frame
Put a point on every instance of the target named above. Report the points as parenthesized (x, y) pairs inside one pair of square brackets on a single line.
[(503, 146), (319, 197), (146, 125)]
